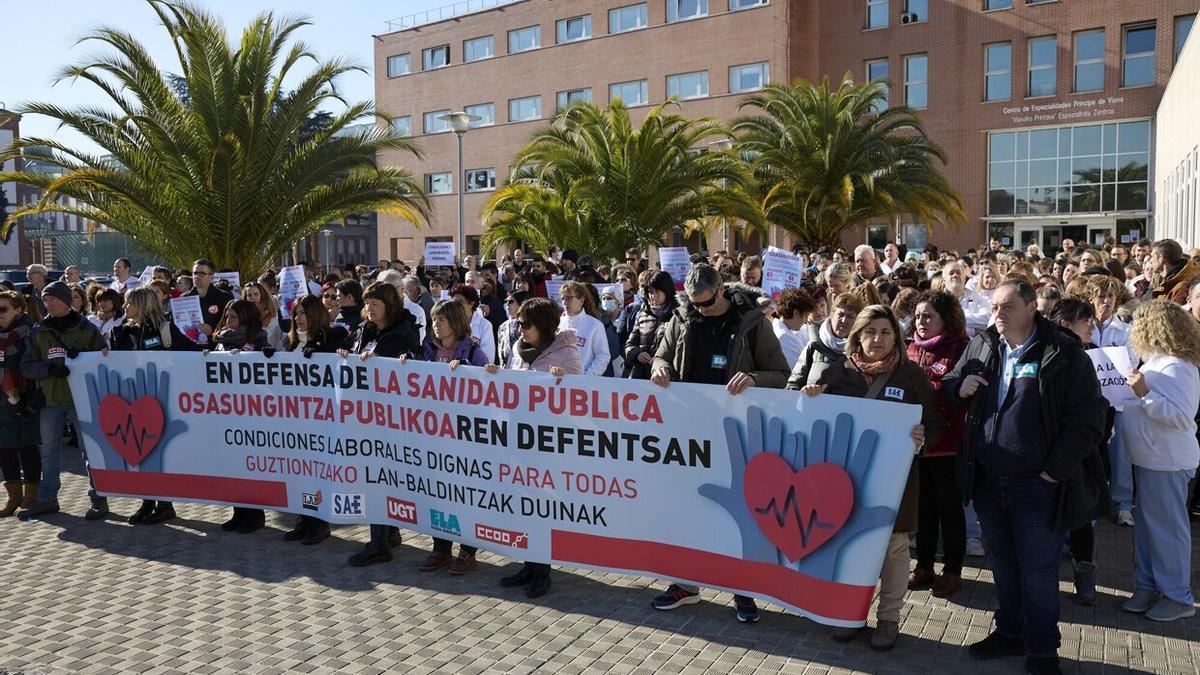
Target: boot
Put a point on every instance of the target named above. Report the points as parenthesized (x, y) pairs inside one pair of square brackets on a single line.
[(253, 521), (1085, 582), (99, 510), (163, 512), (317, 532), (14, 498), (231, 525), (142, 513), (29, 493)]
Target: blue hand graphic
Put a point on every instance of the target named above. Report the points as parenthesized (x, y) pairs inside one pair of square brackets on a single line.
[(146, 382), (799, 452)]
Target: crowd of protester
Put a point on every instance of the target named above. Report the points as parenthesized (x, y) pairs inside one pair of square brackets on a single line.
[(1018, 453)]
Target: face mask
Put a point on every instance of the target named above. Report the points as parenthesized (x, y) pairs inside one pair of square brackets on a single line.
[(608, 304)]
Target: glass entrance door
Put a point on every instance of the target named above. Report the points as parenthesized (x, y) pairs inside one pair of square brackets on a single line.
[(1028, 235)]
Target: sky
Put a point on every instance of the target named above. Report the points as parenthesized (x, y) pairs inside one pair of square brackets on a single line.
[(37, 39)]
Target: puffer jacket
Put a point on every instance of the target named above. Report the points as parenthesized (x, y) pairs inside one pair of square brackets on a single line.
[(845, 379), (816, 357), (562, 352), (72, 333), (645, 336), (755, 352), (467, 350)]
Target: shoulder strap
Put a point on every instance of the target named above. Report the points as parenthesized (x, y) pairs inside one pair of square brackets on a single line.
[(878, 385)]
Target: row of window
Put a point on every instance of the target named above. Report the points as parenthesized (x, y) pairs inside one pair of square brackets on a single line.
[(1138, 64), (620, 20), (476, 180), (916, 11), (742, 79)]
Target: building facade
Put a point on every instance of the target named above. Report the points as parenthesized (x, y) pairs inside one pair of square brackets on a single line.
[(1177, 153), (14, 251), (1044, 107)]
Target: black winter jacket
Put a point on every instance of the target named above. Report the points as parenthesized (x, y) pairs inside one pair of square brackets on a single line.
[(143, 337), (399, 338), (1072, 411)]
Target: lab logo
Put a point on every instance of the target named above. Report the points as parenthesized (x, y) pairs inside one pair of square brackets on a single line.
[(348, 505), (402, 510), (444, 522), (500, 536), (311, 501)]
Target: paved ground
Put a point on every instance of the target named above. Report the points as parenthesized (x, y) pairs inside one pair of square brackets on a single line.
[(112, 598)]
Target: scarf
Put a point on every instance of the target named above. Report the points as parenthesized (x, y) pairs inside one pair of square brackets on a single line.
[(873, 369), (830, 340), (235, 338), (301, 339), (528, 352), (930, 344)]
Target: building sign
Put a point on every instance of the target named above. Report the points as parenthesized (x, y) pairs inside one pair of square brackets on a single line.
[(1074, 110)]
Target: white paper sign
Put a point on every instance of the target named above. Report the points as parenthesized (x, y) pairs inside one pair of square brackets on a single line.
[(553, 288), (676, 261), (147, 275), (1112, 365), (439, 253), (234, 279), (781, 270), (292, 285), (187, 316)]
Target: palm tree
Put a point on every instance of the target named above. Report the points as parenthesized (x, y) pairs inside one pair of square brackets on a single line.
[(593, 181), (226, 174), (827, 160)]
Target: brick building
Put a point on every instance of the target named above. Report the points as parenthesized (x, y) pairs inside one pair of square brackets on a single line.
[(1044, 107)]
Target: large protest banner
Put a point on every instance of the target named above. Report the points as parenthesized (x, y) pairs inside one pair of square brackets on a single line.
[(767, 493)]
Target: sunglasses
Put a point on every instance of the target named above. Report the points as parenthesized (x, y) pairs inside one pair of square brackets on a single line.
[(328, 296), (524, 324), (707, 303)]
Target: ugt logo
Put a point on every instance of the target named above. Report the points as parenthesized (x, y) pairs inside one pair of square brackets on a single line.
[(444, 522), (129, 420)]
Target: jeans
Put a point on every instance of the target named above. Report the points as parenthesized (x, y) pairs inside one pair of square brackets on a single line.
[(971, 520), (52, 421), (445, 546), (1017, 517), (1162, 535), (1120, 482), (940, 511)]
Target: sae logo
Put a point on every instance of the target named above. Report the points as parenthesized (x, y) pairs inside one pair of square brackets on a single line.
[(402, 510), (348, 506), (444, 522)]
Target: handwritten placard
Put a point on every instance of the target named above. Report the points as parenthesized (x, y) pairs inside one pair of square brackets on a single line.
[(1112, 364)]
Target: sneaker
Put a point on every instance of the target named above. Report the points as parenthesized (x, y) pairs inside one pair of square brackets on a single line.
[(38, 509), (1141, 602), (1125, 518), (975, 548), (997, 646), (436, 561), (142, 513), (920, 579), (1042, 665), (846, 634), (370, 556), (675, 596), (747, 611), (463, 564), (161, 514), (946, 585), (885, 635), (99, 509), (1167, 609)]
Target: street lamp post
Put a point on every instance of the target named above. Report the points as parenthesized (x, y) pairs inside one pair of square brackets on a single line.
[(724, 145), (460, 122), (328, 249)]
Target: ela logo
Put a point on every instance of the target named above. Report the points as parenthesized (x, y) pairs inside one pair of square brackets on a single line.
[(502, 537), (444, 522), (402, 510), (347, 506), (311, 501)]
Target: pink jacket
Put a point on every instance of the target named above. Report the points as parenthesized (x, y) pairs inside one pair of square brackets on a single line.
[(562, 352)]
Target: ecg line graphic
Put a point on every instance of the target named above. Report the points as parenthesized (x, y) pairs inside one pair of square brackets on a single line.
[(127, 429), (791, 507)]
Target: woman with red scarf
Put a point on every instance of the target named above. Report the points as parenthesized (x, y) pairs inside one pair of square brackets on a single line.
[(939, 338)]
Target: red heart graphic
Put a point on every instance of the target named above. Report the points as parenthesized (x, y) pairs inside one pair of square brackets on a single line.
[(798, 510), (132, 430)]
